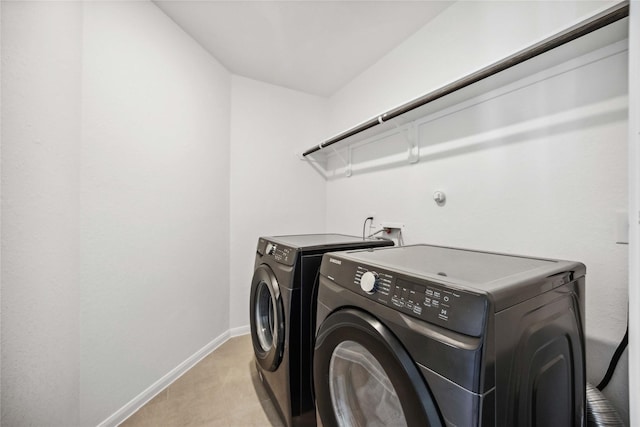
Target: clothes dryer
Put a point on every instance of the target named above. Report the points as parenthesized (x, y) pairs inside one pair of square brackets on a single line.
[(432, 336), (282, 316)]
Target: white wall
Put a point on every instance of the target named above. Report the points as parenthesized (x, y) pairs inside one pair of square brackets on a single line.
[(41, 61), (634, 212), (542, 171), (0, 220), (154, 202), (273, 192), (466, 37), (115, 184)]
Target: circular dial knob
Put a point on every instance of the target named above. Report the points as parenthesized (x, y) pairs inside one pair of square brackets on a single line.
[(271, 249), (369, 281)]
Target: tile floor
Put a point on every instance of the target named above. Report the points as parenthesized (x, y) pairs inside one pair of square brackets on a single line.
[(222, 390)]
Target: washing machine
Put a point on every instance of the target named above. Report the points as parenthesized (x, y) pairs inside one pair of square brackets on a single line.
[(435, 336), (282, 316)]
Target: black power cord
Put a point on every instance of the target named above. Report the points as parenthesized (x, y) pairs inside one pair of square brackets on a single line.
[(364, 226), (614, 360)]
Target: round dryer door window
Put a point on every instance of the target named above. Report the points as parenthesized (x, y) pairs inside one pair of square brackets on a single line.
[(363, 376), (361, 392)]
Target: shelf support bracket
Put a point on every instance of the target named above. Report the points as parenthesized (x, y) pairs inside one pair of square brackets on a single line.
[(410, 133), (347, 162), (412, 140)]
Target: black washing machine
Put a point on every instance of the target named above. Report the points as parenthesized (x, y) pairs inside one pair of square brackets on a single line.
[(433, 336), (282, 316)]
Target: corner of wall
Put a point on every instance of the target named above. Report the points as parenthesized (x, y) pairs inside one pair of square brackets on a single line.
[(273, 192), (634, 212)]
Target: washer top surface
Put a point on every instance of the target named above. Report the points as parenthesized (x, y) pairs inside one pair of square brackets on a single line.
[(456, 264), (312, 241), (509, 278)]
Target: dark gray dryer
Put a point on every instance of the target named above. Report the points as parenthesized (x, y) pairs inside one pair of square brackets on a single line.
[(429, 336), (282, 316)]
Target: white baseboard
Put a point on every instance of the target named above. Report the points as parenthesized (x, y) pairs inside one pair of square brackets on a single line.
[(139, 401), (241, 330)]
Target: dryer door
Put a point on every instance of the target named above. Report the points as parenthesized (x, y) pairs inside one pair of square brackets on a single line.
[(267, 318), (364, 377)]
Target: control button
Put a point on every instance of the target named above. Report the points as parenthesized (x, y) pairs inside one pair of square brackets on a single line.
[(446, 298), (368, 282), (271, 249)]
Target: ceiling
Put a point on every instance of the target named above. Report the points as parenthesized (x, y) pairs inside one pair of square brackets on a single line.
[(311, 46)]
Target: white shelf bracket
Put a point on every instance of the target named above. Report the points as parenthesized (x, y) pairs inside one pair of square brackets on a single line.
[(412, 140), (410, 133), (347, 162)]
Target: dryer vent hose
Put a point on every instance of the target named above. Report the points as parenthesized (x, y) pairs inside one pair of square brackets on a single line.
[(600, 413)]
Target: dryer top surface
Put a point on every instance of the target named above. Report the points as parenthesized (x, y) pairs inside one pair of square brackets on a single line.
[(313, 241)]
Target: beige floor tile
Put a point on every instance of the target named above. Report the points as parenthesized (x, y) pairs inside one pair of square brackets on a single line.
[(151, 413), (253, 416), (222, 390)]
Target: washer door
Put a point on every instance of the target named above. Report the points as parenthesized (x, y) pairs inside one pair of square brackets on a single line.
[(363, 376), (267, 318)]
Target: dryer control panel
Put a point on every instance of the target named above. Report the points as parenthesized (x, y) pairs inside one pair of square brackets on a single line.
[(281, 253), (438, 303)]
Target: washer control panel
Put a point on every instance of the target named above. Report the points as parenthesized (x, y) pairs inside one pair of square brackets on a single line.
[(439, 303)]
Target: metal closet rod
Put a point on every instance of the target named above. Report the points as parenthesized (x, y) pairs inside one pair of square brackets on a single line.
[(609, 16)]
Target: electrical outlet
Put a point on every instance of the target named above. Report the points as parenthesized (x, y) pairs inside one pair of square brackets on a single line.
[(369, 223), (372, 224)]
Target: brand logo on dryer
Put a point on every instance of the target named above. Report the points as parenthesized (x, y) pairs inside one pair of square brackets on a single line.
[(335, 261)]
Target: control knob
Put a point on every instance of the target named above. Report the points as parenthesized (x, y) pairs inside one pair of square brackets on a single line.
[(271, 249), (369, 282)]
